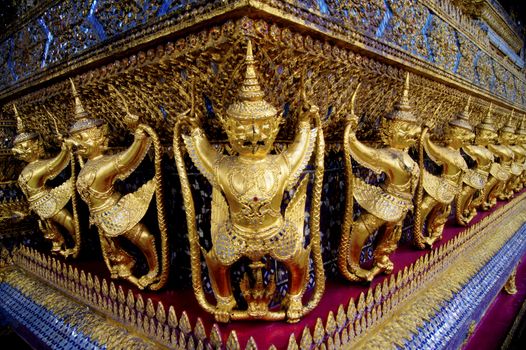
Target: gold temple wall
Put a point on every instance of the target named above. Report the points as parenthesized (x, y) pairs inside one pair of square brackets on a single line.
[(334, 50)]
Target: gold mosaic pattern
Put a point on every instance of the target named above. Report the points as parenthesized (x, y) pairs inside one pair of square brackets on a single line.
[(157, 83)]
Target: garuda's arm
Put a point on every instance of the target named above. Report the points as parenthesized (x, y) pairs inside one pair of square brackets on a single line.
[(366, 156), (128, 160), (55, 165), (478, 153), (434, 151), (300, 151), (203, 154)]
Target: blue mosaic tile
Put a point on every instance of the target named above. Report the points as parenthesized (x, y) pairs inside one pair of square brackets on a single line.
[(50, 330), (448, 328)]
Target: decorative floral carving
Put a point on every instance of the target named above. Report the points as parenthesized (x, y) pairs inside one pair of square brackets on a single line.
[(468, 51), (442, 43), (484, 70), (64, 33), (28, 45), (405, 27), (69, 30)]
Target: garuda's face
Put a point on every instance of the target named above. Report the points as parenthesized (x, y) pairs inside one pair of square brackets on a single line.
[(88, 142), (28, 150), (405, 134), (252, 138), (458, 137), (506, 138), (485, 137)]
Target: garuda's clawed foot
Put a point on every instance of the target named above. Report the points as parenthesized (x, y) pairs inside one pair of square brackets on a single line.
[(121, 270), (294, 307), (147, 279), (362, 274), (384, 264), (66, 252), (57, 247), (224, 308), (429, 241)]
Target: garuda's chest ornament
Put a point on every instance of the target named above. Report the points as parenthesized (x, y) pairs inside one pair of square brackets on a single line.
[(254, 195), (249, 218)]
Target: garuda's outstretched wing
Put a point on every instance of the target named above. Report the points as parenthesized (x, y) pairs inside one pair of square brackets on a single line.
[(295, 212), (379, 202), (54, 200), (127, 212)]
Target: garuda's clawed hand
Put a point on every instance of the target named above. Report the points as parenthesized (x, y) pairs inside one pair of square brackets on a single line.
[(131, 120), (188, 118)]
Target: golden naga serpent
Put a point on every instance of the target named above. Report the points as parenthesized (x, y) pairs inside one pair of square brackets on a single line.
[(159, 199), (348, 220), (74, 200), (418, 237), (193, 237), (74, 204), (418, 225)]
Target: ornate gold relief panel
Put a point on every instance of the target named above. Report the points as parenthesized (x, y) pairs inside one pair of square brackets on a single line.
[(442, 43), (156, 82), (484, 69), (406, 25), (468, 50)]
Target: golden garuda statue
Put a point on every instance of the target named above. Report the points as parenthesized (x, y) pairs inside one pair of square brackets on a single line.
[(56, 221), (474, 180), (248, 219), (433, 209), (385, 206), (521, 141), (498, 175), (505, 157), (517, 167), (113, 214)]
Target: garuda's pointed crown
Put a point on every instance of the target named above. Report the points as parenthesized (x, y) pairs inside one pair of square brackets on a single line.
[(251, 104), (487, 122), (22, 135), (462, 119), (509, 127), (402, 109), (82, 122)]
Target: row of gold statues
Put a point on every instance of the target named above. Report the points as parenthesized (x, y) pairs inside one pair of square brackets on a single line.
[(249, 217)]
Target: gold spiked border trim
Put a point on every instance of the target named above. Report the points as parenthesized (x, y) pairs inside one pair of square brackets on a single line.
[(388, 313)]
